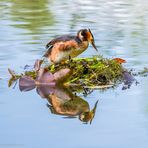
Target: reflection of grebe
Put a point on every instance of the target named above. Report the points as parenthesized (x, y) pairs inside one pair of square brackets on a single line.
[(63, 102)]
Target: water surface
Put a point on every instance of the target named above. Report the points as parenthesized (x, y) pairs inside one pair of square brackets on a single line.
[(120, 28)]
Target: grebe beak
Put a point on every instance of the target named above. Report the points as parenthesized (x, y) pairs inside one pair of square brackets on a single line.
[(93, 44), (91, 39)]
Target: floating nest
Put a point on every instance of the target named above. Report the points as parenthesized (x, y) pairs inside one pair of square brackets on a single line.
[(91, 71)]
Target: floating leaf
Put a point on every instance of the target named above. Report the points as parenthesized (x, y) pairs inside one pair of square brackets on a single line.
[(119, 60)]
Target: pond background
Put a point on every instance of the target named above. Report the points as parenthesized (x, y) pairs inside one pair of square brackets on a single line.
[(120, 28)]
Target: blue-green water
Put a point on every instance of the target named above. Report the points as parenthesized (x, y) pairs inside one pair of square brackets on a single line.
[(120, 28)]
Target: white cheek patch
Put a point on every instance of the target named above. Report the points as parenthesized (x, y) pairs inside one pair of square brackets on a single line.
[(80, 36)]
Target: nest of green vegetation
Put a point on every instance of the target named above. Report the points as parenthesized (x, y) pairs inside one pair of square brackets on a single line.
[(91, 71), (88, 72)]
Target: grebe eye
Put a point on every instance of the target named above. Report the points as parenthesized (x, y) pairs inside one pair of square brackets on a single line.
[(83, 32)]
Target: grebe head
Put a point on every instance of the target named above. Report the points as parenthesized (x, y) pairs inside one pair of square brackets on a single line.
[(86, 35)]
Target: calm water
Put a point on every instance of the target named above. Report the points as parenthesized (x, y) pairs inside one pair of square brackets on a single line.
[(120, 28)]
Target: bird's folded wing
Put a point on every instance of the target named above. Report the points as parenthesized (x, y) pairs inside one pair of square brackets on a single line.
[(59, 39)]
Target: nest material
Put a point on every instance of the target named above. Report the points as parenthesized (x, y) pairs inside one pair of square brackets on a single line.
[(91, 71), (96, 72)]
